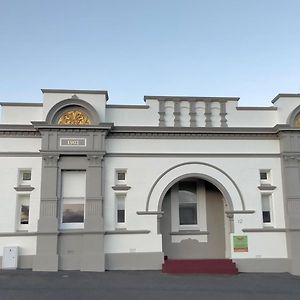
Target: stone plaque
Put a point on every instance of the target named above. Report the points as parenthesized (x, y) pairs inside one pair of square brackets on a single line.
[(72, 142)]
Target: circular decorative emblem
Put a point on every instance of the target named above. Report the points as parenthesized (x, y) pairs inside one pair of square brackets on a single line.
[(74, 117)]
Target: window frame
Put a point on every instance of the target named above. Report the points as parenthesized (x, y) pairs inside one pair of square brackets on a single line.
[(120, 196), (266, 181), (271, 210), (120, 181), (72, 200), (21, 180), (22, 199), (201, 224)]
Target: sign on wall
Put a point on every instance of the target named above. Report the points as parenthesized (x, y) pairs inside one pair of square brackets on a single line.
[(240, 243), (72, 142)]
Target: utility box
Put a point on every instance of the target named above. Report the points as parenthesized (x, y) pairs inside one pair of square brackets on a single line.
[(10, 257)]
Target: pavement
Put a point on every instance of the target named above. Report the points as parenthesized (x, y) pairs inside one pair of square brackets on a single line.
[(154, 285)]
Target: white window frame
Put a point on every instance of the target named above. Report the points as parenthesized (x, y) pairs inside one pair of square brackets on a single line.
[(72, 200), (22, 199), (21, 181), (120, 181), (270, 198), (117, 197), (201, 209), (265, 181)]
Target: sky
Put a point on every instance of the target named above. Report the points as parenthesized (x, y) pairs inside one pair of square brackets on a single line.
[(131, 48)]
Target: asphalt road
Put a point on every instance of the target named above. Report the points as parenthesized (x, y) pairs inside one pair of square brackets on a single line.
[(154, 285)]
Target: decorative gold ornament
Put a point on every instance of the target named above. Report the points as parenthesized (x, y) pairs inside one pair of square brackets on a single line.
[(297, 122), (74, 117)]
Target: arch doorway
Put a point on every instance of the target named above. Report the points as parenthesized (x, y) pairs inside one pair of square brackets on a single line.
[(194, 225)]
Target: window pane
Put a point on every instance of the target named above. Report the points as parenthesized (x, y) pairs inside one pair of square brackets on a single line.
[(121, 175), (26, 176), (24, 214), (121, 216), (265, 201), (266, 217), (120, 208), (263, 175), (190, 186), (188, 214), (73, 213), (73, 184)]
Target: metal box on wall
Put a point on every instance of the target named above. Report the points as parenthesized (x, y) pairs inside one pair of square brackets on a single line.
[(10, 257)]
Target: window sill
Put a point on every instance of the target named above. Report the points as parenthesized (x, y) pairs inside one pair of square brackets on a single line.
[(120, 187), (266, 187), (24, 188)]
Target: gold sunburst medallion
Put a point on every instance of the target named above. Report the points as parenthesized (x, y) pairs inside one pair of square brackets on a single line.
[(297, 122), (74, 117)]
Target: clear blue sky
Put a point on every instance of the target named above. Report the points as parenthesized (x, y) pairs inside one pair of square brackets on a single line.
[(132, 48)]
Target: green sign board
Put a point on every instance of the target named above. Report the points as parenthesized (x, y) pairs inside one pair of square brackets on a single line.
[(240, 243)]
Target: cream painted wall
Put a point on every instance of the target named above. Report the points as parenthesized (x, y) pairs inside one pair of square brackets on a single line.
[(21, 114), (263, 245), (20, 144), (26, 244), (10, 167), (150, 116), (194, 146), (124, 243), (141, 175)]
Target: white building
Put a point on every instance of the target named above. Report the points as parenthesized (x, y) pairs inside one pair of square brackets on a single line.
[(91, 186)]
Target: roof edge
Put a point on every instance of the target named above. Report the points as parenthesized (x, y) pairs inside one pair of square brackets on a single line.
[(21, 104), (63, 91), (190, 98), (285, 95)]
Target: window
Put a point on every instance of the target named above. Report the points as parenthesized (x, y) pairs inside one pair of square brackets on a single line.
[(120, 177), (23, 212), (266, 209), (187, 203), (73, 199), (120, 210), (24, 177), (265, 177)]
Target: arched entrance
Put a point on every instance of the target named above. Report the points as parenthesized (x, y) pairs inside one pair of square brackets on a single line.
[(193, 224)]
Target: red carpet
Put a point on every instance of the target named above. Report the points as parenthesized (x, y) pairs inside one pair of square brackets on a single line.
[(205, 266)]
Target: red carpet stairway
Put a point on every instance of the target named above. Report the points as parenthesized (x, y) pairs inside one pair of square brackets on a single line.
[(204, 266)]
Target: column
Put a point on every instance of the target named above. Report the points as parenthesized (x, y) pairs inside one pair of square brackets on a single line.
[(93, 235), (46, 258)]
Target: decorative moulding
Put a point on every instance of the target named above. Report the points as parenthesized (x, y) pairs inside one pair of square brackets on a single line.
[(121, 187), (24, 188)]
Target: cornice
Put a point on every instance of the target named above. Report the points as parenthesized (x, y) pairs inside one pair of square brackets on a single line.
[(47, 126), (63, 91), (29, 104), (285, 96), (192, 132)]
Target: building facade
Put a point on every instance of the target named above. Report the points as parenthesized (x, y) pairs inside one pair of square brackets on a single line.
[(91, 186)]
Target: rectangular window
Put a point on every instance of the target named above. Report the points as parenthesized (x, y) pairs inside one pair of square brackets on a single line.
[(120, 177), (23, 202), (24, 177), (73, 199), (265, 176), (187, 203), (120, 209), (266, 209)]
